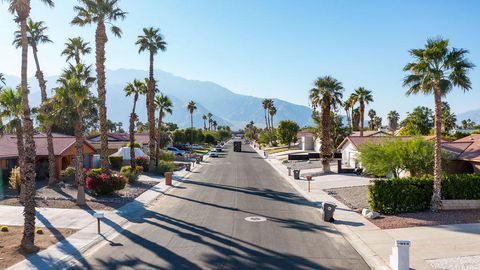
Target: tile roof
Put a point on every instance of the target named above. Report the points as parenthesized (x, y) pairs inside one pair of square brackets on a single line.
[(368, 133), (122, 137), (61, 142), (472, 151)]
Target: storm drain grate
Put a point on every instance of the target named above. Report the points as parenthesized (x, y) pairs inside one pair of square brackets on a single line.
[(255, 219)]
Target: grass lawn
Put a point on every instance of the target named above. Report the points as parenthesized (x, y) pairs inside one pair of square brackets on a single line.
[(10, 252), (278, 150)]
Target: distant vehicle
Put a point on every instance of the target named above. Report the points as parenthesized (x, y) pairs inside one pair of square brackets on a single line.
[(213, 153), (237, 146), (219, 148), (176, 151), (196, 147)]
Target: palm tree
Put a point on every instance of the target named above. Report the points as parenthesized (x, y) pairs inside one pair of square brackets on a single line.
[(134, 88), (69, 100), (100, 12), (393, 118), (151, 41), (326, 94), (74, 48), (266, 103), (347, 106), (191, 107), (436, 69), (164, 106), (209, 115), (11, 109), (214, 124), (36, 36), (272, 111), (2, 80), (371, 114), (22, 10), (204, 117), (363, 97)]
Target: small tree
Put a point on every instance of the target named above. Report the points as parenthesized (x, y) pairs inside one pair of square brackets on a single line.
[(287, 131)]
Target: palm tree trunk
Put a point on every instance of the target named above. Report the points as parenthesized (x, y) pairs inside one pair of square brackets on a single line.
[(29, 155), (362, 116), (159, 136), (151, 114), (436, 203), (100, 41), (132, 133), (46, 126), (348, 117), (273, 124), (326, 145), (266, 120), (78, 130), (21, 162), (191, 125)]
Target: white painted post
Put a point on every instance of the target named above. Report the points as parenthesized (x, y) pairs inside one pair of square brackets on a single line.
[(400, 258)]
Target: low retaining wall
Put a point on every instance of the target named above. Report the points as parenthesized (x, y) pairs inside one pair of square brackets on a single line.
[(460, 204)]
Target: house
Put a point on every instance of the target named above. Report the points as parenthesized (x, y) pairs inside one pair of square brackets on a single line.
[(466, 154), (64, 151), (306, 140), (370, 133), (119, 140)]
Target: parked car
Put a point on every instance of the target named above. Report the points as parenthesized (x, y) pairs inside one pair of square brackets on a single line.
[(213, 153), (219, 148), (176, 151)]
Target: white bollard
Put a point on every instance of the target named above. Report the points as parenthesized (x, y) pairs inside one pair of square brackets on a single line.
[(400, 258)]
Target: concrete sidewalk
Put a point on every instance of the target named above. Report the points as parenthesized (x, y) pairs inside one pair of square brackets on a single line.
[(58, 255), (432, 247)]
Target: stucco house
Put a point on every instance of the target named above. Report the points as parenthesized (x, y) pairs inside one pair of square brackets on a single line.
[(64, 151), (466, 154), (119, 140)]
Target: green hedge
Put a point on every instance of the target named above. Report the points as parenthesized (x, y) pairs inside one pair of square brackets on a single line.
[(131, 174), (165, 166), (402, 195), (116, 162)]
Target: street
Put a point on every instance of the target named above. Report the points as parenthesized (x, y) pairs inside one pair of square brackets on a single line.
[(201, 225)]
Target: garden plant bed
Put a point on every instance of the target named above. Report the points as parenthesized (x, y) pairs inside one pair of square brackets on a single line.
[(10, 252), (64, 196), (427, 218)]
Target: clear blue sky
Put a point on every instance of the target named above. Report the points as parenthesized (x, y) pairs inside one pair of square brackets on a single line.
[(275, 48)]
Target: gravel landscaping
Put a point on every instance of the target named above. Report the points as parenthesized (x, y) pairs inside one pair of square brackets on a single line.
[(10, 252), (356, 198), (63, 195)]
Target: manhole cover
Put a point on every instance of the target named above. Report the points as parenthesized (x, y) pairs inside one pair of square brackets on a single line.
[(255, 219)]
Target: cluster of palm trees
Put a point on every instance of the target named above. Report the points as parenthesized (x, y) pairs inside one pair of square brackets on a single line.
[(212, 124), (270, 111)]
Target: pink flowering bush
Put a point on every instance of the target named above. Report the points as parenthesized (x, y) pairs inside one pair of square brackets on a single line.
[(142, 161), (104, 183)]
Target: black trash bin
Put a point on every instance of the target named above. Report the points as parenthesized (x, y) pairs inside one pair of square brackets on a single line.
[(296, 174), (328, 210), (188, 166)]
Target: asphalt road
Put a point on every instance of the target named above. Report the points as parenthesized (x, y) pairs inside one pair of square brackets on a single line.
[(201, 225)]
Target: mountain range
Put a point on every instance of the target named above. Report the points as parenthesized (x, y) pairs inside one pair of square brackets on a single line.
[(228, 108)]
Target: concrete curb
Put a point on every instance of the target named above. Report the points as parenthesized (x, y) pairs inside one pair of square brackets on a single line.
[(371, 258), (66, 259)]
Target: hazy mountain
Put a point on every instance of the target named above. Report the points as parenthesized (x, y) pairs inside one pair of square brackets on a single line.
[(227, 107), (473, 115)]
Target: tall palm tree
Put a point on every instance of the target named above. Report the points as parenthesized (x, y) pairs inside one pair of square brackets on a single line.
[(36, 35), (21, 8), (152, 42), (371, 114), (214, 124), (204, 117), (362, 96), (191, 107), (75, 48), (347, 106), (2, 80), (134, 88), (69, 100), (272, 111), (393, 118), (209, 115), (436, 69), (266, 103), (11, 110), (100, 12), (326, 95), (164, 106)]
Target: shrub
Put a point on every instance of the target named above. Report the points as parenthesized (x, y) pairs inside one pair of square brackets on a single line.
[(131, 175), (165, 166), (15, 179), (68, 174), (400, 195), (142, 161), (166, 155), (116, 162), (39, 231), (4, 228), (105, 183), (135, 144)]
